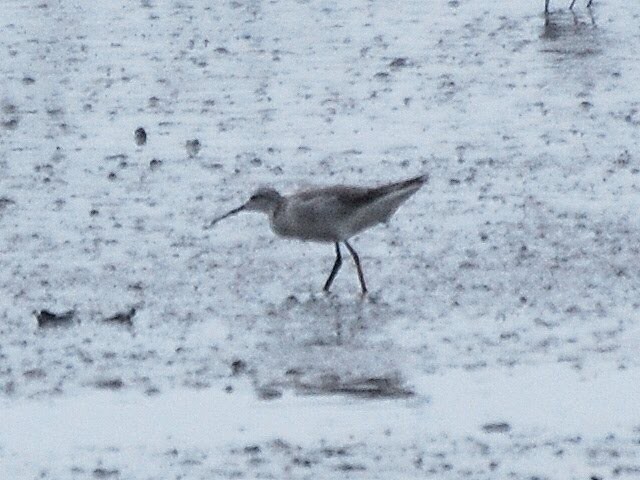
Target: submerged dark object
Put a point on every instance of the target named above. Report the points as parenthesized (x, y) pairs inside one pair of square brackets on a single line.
[(140, 136), (497, 427), (47, 318), (193, 147), (122, 318), (366, 387)]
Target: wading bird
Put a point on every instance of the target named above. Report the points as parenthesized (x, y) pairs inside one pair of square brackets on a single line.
[(331, 214), (546, 5)]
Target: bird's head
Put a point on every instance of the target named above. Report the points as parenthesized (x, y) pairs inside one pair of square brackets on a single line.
[(263, 200)]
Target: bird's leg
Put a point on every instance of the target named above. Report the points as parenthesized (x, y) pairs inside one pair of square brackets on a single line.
[(334, 270), (589, 4), (356, 259), (572, 3), (546, 6)]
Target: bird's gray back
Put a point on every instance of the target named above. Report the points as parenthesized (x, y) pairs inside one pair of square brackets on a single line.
[(318, 215), (336, 213)]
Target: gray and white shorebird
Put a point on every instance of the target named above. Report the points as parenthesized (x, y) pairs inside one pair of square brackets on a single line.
[(331, 214), (546, 5)]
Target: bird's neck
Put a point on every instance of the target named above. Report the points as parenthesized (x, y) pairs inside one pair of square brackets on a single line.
[(277, 209)]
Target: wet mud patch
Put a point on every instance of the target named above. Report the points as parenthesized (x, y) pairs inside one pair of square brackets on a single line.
[(519, 252)]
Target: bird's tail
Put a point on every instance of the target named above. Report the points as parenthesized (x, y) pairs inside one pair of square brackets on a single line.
[(385, 200), (417, 181)]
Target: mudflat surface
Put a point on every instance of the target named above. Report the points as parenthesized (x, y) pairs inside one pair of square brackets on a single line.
[(501, 335)]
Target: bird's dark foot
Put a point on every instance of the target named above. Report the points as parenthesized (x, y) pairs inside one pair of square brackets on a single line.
[(326, 293)]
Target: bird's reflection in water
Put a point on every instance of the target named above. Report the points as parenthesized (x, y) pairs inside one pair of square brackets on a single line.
[(326, 319), (569, 25)]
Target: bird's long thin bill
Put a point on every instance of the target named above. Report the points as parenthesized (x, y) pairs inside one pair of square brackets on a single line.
[(222, 217)]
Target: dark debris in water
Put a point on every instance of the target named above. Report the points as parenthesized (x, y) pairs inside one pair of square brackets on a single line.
[(371, 387), (10, 124), (116, 157), (351, 467), (399, 62), (238, 367), (252, 450), (5, 202), (497, 427), (154, 164), (105, 473), (140, 136), (47, 318), (193, 147), (110, 384), (269, 392), (122, 318)]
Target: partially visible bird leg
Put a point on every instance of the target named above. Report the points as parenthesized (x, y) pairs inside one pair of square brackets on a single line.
[(356, 259), (334, 270)]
